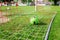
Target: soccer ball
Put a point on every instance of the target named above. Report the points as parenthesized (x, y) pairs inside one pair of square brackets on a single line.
[(8, 8), (34, 20)]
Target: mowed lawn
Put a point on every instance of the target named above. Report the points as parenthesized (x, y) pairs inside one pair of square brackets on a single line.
[(55, 29), (19, 28)]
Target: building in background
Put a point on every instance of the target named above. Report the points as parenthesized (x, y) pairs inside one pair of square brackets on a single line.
[(43, 2), (24, 2)]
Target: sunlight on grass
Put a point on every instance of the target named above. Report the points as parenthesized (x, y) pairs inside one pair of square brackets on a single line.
[(19, 26)]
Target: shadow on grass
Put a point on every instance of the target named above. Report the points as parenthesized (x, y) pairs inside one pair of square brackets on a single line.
[(40, 23)]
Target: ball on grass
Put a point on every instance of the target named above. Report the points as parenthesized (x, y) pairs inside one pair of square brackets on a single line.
[(8, 8), (34, 20)]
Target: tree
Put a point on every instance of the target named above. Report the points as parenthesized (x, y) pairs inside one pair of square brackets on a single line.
[(55, 2), (26, 1), (15, 0), (1, 0)]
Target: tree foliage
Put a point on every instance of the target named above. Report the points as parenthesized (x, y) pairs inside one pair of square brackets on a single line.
[(55, 2), (26, 1)]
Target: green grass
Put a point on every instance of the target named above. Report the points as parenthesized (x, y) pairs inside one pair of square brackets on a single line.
[(19, 28), (17, 10), (55, 29)]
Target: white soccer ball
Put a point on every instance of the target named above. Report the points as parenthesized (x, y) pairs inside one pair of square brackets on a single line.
[(32, 20), (8, 8)]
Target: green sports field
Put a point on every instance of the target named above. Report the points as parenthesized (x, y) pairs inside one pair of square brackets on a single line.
[(19, 28), (55, 29)]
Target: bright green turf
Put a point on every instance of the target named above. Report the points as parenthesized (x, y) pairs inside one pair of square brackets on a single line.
[(19, 28), (55, 30)]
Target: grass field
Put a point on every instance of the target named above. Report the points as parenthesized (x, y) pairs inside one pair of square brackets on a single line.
[(55, 30), (19, 28)]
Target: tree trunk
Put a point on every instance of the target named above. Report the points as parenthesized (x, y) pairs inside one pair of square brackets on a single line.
[(55, 2)]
